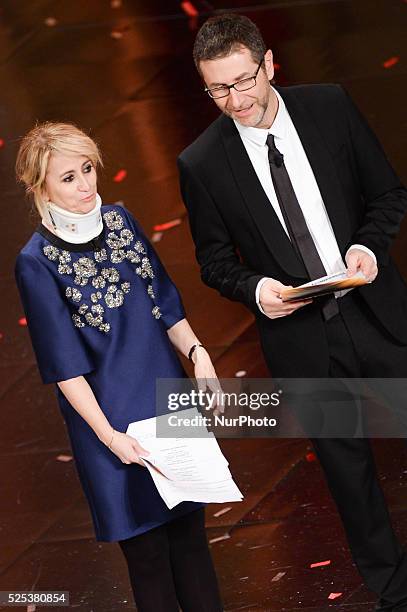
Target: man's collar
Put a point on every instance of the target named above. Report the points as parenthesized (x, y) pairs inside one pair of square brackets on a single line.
[(278, 127)]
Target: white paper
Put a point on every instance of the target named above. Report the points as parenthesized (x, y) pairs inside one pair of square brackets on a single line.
[(186, 469), (332, 278)]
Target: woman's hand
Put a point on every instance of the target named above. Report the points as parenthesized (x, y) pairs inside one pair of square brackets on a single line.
[(206, 376), (126, 448), (79, 394), (184, 339)]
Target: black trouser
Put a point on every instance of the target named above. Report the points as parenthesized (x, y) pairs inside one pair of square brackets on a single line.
[(171, 567), (360, 348)]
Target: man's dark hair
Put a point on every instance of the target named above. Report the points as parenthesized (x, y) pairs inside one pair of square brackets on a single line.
[(222, 35)]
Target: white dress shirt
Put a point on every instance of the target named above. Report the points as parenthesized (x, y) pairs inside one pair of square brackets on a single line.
[(304, 184)]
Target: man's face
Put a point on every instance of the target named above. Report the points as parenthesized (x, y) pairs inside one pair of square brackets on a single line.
[(254, 107)]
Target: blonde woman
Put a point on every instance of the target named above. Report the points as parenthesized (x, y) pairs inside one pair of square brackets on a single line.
[(105, 320)]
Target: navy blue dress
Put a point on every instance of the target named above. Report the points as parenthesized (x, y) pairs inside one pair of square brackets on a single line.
[(101, 310)]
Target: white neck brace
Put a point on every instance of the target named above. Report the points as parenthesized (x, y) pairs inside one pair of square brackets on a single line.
[(73, 227)]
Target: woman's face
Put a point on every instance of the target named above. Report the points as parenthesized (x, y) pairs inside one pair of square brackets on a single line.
[(71, 182)]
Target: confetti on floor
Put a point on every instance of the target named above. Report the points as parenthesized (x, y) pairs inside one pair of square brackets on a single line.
[(189, 9), (116, 34), (392, 61), (320, 564), (310, 457), (162, 227), (115, 4), (223, 511), (240, 373), (219, 539), (22, 322), (51, 22), (156, 237), (278, 576), (334, 595), (260, 546), (120, 176), (64, 458)]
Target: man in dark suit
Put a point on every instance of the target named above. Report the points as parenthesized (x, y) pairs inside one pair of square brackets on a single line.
[(287, 185)]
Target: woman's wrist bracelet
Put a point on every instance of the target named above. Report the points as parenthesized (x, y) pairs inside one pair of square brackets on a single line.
[(110, 443), (193, 349)]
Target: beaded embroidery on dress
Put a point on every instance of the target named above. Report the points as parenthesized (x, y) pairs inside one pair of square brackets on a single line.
[(110, 292)]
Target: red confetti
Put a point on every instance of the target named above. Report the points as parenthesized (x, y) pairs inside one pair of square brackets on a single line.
[(2, 143), (161, 227), (320, 564), (189, 9), (120, 176), (310, 457), (22, 322), (392, 61), (276, 66), (334, 595)]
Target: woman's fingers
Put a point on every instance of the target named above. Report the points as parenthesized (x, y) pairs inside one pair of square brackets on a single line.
[(127, 449), (139, 449), (201, 382), (215, 386)]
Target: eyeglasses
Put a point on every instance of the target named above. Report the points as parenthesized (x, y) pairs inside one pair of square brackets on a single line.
[(223, 90)]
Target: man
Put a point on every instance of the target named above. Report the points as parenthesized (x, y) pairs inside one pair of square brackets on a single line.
[(286, 185)]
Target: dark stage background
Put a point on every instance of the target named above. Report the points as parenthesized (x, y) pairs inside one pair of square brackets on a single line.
[(123, 71)]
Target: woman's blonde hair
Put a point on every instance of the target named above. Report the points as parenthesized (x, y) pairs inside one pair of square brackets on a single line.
[(37, 147)]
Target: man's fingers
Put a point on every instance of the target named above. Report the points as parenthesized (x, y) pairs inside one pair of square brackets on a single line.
[(299, 303), (371, 274), (286, 307)]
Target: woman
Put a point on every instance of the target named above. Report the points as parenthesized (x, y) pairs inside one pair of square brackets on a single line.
[(104, 319)]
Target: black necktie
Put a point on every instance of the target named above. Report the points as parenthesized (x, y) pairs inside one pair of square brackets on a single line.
[(296, 225)]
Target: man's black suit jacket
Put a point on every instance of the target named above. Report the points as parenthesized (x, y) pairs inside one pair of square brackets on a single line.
[(239, 238)]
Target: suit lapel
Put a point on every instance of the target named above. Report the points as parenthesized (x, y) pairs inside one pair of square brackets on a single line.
[(257, 202), (320, 159)]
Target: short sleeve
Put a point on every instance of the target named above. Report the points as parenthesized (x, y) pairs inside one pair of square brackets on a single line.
[(60, 351), (165, 294)]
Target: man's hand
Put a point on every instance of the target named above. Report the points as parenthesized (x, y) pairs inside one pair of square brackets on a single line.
[(271, 302), (356, 260)]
